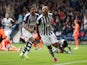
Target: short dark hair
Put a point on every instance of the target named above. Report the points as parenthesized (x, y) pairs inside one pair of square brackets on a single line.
[(33, 6), (65, 44)]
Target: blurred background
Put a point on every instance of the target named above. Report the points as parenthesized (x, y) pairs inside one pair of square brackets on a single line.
[(64, 14)]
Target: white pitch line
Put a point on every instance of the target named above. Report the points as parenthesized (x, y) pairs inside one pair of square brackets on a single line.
[(72, 62)]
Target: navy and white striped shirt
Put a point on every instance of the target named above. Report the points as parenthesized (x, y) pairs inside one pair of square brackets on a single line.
[(44, 23), (30, 20)]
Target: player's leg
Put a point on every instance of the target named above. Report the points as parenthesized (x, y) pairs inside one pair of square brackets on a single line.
[(70, 51), (55, 43), (76, 41), (35, 46), (41, 43), (54, 40), (2, 49), (26, 50), (36, 37), (50, 51), (27, 47), (58, 48), (13, 48), (52, 54), (66, 44), (47, 41), (0, 46), (29, 41)]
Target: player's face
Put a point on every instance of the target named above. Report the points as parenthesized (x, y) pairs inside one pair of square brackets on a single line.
[(45, 10), (32, 10), (7, 15), (8, 37), (75, 22)]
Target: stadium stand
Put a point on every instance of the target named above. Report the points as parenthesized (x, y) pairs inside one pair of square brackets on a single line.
[(64, 13)]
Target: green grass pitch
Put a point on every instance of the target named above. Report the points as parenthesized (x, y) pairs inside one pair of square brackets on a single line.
[(42, 57)]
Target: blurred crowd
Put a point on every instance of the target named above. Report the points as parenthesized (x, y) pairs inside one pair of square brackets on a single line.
[(64, 13)]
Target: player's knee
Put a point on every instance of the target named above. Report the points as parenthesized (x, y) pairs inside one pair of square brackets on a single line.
[(49, 47)]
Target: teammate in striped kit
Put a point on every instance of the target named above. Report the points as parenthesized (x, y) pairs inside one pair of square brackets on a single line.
[(28, 30), (44, 30)]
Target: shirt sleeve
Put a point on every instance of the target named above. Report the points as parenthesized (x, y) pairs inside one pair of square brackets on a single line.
[(38, 22), (26, 18)]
